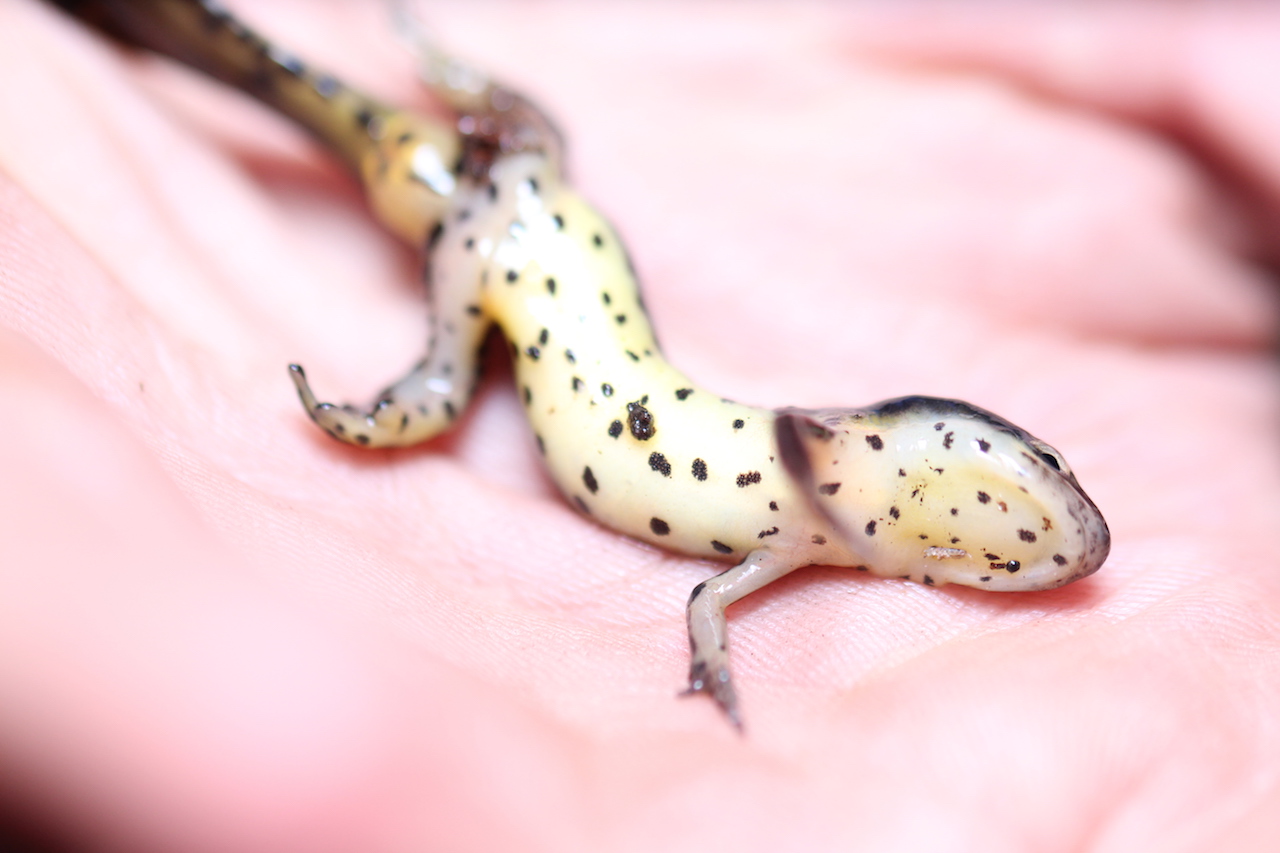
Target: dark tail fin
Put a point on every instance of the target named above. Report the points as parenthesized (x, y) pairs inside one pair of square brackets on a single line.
[(408, 163), (202, 34)]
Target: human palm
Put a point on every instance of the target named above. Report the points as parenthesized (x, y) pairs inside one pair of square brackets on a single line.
[(220, 629)]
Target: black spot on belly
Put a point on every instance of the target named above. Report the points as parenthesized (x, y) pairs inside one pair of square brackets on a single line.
[(699, 469), (577, 385), (598, 240), (470, 244), (606, 389), (984, 498), (939, 425), (893, 511), (773, 506), (615, 429), (528, 395), (362, 439), (772, 531), (985, 578), (871, 528), (991, 556), (542, 445), (748, 479), (534, 353), (901, 473), (559, 221), (632, 356), (721, 547), (955, 511), (533, 185), (621, 318), (473, 310), (819, 539), (493, 192), (640, 421), (984, 445), (608, 300), (589, 480), (739, 423), (828, 488), (1059, 559), (543, 337), (683, 393), (1026, 536), (875, 442), (434, 236), (928, 581), (659, 463), (947, 439), (659, 526), (570, 357), (512, 275), (449, 410), (551, 285)]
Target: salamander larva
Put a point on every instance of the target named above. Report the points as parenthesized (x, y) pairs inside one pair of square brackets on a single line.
[(932, 490)]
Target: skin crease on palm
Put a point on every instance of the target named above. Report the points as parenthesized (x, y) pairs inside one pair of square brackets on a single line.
[(220, 629)]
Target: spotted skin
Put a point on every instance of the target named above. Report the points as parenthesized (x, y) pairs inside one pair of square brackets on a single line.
[(931, 490)]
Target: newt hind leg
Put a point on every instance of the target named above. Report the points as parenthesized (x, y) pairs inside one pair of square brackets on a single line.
[(424, 403), (409, 412), (494, 120)]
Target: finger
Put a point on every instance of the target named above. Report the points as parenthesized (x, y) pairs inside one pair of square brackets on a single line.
[(1201, 71)]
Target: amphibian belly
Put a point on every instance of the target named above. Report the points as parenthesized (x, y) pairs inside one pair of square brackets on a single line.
[(932, 490)]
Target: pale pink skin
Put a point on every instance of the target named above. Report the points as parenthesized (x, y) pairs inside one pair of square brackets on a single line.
[(220, 629)]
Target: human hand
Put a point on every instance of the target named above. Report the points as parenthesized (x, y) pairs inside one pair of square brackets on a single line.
[(221, 630)]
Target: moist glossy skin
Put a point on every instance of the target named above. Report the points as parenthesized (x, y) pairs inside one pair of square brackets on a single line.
[(949, 493), (931, 490)]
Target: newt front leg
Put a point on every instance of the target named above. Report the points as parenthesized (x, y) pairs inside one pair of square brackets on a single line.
[(708, 633)]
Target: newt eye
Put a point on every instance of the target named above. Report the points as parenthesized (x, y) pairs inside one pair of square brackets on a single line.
[(1050, 457)]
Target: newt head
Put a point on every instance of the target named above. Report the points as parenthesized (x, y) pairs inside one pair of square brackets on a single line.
[(940, 491)]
